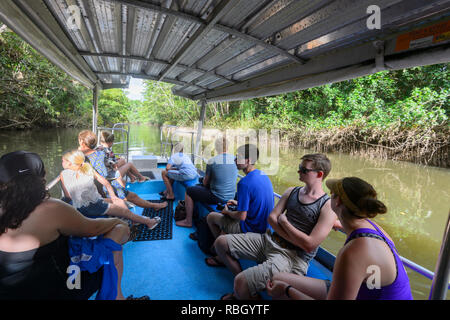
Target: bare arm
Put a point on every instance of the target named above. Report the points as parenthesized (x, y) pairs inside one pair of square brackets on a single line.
[(277, 211), (348, 274), (106, 183), (66, 193), (320, 231), (70, 222), (206, 181)]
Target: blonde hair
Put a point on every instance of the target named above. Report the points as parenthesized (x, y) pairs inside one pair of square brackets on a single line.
[(76, 158)]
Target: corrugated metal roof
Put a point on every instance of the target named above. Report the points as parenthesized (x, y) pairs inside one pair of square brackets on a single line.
[(229, 49)]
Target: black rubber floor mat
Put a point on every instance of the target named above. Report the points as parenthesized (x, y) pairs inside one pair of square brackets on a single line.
[(149, 174), (163, 231)]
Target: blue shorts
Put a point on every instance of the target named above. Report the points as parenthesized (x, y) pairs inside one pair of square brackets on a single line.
[(95, 209), (179, 176)]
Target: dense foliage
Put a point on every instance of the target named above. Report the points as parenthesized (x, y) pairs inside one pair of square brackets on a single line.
[(35, 93)]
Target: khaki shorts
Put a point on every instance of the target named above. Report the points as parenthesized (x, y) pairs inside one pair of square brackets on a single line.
[(271, 258), (230, 225)]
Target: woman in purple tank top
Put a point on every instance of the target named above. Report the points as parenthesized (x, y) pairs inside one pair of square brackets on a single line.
[(368, 267)]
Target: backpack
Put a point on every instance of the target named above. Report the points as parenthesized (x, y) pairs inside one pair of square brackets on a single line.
[(180, 211), (205, 236)]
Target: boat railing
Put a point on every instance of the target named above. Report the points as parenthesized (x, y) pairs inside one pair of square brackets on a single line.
[(123, 128), (440, 285)]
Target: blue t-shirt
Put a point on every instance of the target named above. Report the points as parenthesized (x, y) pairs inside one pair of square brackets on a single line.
[(183, 163), (222, 172), (255, 195)]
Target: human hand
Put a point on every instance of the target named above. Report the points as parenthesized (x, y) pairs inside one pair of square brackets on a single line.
[(276, 289), (232, 202)]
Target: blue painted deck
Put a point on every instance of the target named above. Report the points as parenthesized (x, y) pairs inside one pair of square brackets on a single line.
[(175, 269)]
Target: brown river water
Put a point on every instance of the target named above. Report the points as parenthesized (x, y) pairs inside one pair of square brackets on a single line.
[(417, 196)]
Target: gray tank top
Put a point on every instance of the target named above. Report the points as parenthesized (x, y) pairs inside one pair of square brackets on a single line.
[(304, 217)]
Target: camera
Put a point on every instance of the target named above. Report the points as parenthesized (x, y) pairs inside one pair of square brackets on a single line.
[(231, 207)]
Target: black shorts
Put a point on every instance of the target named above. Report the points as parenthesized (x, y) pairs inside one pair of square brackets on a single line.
[(202, 194)]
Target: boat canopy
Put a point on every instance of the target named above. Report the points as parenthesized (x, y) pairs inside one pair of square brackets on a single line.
[(224, 50)]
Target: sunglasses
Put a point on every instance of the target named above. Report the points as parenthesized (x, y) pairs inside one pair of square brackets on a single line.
[(305, 170)]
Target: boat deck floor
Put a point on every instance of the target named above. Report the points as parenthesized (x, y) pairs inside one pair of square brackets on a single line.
[(175, 269)]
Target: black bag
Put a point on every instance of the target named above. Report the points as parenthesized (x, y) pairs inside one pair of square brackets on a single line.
[(205, 236), (180, 211)]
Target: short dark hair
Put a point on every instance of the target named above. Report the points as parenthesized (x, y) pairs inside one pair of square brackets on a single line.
[(319, 162), (18, 198), (249, 151), (106, 137)]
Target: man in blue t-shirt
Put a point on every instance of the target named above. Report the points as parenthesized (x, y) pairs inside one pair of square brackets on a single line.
[(218, 185), (253, 205), (179, 168)]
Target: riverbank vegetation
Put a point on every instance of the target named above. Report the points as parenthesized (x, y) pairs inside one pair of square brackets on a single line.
[(36, 94), (400, 115)]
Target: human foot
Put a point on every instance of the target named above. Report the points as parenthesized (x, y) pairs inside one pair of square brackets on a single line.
[(143, 179), (159, 206), (184, 223), (153, 223)]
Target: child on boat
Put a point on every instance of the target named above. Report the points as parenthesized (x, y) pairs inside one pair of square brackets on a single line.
[(114, 163), (87, 141), (77, 181)]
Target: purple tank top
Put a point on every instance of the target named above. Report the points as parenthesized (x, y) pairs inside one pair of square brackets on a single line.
[(400, 288)]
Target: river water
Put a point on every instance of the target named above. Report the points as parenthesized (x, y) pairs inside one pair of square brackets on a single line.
[(417, 196)]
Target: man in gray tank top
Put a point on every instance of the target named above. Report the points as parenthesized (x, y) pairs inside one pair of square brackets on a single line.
[(301, 220)]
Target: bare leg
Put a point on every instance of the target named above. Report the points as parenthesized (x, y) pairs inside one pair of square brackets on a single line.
[(189, 204), (168, 183), (119, 211), (241, 289), (129, 168), (314, 288), (120, 235), (134, 198), (223, 251), (213, 219)]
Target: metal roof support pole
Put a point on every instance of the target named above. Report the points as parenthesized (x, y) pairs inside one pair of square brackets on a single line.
[(95, 95), (200, 128), (441, 274)]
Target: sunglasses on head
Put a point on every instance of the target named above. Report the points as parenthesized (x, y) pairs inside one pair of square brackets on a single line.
[(305, 170)]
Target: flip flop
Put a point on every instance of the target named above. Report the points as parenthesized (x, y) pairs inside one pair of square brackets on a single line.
[(194, 236), (158, 221), (228, 296), (216, 263)]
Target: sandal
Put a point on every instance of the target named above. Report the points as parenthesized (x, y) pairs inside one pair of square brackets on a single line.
[(194, 236), (145, 179), (158, 220), (216, 263), (228, 296)]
